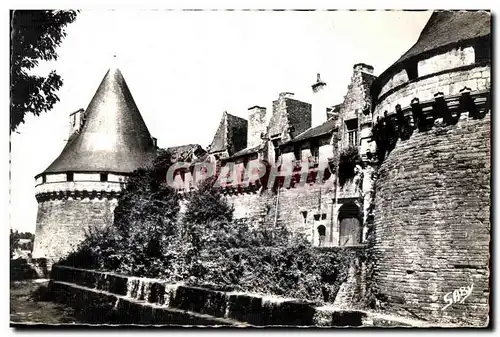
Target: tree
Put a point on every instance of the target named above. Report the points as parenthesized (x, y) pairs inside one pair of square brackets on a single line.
[(14, 242), (35, 35)]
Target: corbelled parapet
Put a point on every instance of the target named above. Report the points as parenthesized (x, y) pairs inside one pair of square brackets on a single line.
[(423, 115)]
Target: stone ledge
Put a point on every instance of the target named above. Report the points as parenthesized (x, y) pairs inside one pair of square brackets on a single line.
[(142, 296), (105, 307)]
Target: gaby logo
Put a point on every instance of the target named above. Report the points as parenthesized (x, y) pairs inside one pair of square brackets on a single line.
[(457, 295)]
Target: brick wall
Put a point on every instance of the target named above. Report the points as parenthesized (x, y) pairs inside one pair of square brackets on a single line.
[(61, 224), (432, 212)]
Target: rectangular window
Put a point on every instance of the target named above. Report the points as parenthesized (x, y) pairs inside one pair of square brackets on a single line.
[(69, 176), (44, 179), (104, 177), (353, 137)]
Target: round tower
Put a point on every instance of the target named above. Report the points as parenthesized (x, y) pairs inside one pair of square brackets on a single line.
[(432, 204), (80, 188)]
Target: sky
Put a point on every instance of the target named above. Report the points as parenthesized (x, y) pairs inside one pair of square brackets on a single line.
[(185, 68)]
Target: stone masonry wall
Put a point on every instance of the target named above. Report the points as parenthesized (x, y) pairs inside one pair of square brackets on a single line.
[(256, 125), (61, 224), (301, 208), (432, 215)]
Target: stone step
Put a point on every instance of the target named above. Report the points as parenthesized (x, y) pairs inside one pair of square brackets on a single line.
[(102, 307), (133, 294)]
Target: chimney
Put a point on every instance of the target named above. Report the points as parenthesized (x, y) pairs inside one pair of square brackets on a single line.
[(76, 120), (286, 95), (363, 67), (256, 125), (319, 102)]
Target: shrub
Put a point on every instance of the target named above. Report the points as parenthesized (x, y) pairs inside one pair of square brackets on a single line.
[(205, 246), (349, 158)]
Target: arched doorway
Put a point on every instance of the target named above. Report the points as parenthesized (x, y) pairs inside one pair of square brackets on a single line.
[(349, 225), (321, 235)]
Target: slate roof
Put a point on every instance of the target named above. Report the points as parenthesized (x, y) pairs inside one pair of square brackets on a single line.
[(445, 29), (449, 27), (323, 129), (231, 135), (249, 150), (114, 137), (368, 78), (183, 152)]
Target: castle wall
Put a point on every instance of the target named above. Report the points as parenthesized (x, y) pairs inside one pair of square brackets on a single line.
[(432, 210), (61, 224), (301, 208)]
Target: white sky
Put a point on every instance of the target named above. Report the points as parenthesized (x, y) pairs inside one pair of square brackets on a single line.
[(185, 68)]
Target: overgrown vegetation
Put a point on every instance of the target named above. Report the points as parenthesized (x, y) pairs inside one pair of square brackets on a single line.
[(205, 246), (349, 158)]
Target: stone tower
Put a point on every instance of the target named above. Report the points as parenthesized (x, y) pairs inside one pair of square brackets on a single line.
[(79, 189), (432, 126)]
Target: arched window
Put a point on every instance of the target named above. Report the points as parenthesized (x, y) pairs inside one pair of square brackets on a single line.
[(321, 235), (349, 225)]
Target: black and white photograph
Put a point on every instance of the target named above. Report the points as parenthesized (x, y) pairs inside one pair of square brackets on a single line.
[(250, 168)]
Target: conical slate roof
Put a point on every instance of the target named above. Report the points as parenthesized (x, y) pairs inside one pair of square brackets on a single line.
[(444, 30), (114, 137), (450, 27)]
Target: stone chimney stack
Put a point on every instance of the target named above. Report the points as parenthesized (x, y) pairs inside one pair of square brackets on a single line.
[(363, 67), (319, 102), (76, 120), (256, 125)]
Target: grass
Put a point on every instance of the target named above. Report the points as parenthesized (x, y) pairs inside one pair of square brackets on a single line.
[(29, 304)]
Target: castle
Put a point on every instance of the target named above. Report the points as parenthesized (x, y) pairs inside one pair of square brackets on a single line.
[(421, 190)]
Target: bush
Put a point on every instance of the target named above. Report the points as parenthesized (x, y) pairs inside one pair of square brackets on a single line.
[(144, 224), (349, 158), (205, 246)]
